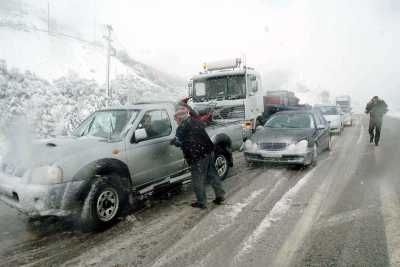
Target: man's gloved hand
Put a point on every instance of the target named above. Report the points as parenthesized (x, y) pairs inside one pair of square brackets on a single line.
[(173, 141)]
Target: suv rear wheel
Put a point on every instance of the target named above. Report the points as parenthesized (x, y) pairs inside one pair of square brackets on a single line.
[(221, 163)]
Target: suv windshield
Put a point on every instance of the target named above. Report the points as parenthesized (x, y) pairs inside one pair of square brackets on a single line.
[(290, 121), (220, 88), (106, 123)]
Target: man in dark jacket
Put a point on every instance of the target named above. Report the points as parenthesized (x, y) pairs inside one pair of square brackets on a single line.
[(376, 108), (198, 150)]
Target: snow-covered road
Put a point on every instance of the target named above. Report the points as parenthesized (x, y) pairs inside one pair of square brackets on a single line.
[(340, 212)]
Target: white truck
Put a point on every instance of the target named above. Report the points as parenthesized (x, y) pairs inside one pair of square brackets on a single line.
[(232, 89), (344, 102)]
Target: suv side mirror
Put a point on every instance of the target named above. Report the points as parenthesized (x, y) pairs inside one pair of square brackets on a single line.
[(259, 128), (140, 134)]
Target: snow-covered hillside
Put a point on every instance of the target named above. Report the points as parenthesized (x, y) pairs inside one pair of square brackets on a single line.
[(26, 44), (57, 78)]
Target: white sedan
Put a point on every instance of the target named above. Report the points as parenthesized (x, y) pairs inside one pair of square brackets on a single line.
[(335, 116)]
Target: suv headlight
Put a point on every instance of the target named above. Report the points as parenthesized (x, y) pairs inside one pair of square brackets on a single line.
[(47, 175), (299, 147)]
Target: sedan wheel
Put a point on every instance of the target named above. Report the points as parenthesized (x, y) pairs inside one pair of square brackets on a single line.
[(315, 154), (329, 144)]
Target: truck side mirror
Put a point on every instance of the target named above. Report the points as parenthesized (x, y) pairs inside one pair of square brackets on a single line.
[(140, 134), (254, 84), (190, 89)]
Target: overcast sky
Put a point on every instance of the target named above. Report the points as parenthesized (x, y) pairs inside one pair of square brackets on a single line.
[(345, 46)]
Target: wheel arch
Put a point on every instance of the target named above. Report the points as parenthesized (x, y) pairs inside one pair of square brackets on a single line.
[(224, 142), (114, 171)]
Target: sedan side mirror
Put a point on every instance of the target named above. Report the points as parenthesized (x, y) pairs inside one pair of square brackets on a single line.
[(140, 134)]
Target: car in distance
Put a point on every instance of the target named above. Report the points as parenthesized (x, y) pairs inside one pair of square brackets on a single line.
[(289, 137), (344, 102), (334, 115)]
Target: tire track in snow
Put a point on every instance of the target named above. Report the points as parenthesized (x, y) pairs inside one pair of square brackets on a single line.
[(390, 209), (220, 219), (277, 212), (361, 134)]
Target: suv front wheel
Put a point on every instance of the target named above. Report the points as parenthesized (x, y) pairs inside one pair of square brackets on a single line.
[(102, 206)]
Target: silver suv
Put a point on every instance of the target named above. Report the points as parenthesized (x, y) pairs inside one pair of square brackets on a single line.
[(113, 157)]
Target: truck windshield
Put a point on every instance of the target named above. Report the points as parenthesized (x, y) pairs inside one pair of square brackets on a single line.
[(344, 105), (219, 88), (106, 124)]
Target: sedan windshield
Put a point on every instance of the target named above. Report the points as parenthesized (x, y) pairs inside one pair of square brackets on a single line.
[(106, 124), (329, 110), (290, 121)]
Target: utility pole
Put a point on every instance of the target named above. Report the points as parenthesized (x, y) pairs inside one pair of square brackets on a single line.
[(48, 17), (109, 48)]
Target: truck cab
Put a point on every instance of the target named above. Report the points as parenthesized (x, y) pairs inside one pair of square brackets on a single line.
[(232, 89)]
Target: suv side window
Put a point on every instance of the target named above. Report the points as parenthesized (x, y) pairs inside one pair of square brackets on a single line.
[(156, 123)]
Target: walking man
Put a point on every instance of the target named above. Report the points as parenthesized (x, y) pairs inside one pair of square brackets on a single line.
[(376, 108), (198, 150)]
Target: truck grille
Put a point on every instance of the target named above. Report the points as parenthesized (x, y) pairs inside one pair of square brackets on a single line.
[(273, 146), (229, 112)]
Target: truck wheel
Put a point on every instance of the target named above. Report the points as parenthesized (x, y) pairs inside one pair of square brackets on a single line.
[(102, 206), (221, 163)]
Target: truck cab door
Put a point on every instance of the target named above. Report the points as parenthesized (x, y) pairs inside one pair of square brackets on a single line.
[(254, 105)]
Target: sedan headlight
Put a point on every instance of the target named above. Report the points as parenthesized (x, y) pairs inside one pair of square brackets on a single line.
[(46, 175), (249, 146), (299, 147)]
